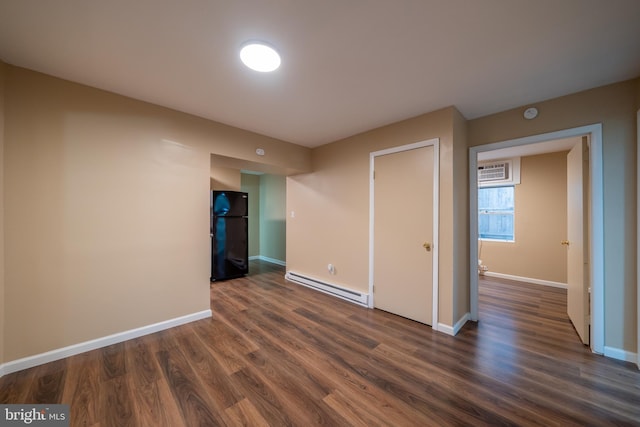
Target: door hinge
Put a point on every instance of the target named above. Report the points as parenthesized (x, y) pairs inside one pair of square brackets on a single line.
[(374, 174)]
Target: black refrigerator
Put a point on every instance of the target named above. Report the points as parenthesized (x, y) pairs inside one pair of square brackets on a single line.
[(229, 234)]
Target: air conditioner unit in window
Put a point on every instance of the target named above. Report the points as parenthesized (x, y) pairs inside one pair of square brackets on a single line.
[(499, 172), (493, 172)]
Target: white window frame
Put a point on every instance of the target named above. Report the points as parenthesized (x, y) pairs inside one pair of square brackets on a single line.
[(486, 239)]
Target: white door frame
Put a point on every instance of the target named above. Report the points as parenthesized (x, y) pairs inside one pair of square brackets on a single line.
[(596, 226), (638, 239), (435, 142)]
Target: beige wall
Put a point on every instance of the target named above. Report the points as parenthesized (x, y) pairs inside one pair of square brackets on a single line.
[(540, 223), (273, 217), (251, 185), (615, 107), (107, 205), (331, 206), (225, 179), (2, 275)]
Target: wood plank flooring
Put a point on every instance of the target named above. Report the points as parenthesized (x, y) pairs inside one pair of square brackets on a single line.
[(277, 354)]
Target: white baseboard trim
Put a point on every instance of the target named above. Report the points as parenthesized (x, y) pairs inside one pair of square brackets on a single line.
[(267, 259), (527, 279), (61, 353), (273, 261), (618, 353), (332, 289), (456, 328)]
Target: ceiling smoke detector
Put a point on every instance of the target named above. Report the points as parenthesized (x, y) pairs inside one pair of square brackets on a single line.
[(530, 113)]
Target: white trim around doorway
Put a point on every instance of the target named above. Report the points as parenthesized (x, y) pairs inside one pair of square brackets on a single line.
[(638, 238), (596, 227)]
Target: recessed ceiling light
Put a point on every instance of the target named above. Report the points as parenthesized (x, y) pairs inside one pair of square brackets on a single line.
[(260, 57)]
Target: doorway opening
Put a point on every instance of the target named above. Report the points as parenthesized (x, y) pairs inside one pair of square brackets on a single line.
[(595, 228), (265, 186), (267, 216)]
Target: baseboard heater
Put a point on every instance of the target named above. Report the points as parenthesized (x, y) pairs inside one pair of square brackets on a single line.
[(329, 288)]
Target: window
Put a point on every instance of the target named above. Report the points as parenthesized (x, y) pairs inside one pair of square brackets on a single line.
[(495, 213)]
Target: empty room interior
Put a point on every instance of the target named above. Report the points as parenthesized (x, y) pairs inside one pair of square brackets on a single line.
[(413, 213)]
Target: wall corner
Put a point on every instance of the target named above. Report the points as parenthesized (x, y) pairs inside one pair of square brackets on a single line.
[(3, 69), (461, 278)]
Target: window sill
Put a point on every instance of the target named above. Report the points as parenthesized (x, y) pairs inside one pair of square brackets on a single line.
[(496, 240)]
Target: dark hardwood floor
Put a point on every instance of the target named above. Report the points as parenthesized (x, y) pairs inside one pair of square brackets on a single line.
[(278, 354)]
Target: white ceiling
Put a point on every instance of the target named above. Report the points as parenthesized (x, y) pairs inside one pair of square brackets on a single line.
[(347, 65)]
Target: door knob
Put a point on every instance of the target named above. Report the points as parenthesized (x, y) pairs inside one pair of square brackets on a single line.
[(564, 243), (427, 246)]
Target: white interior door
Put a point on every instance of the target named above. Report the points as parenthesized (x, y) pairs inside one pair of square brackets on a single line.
[(577, 239), (403, 233)]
